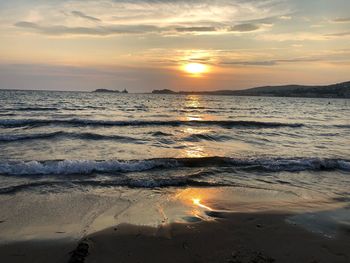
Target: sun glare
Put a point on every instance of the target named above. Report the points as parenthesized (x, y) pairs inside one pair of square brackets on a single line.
[(195, 68)]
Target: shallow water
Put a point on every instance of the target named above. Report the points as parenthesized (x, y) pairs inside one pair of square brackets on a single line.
[(64, 141)]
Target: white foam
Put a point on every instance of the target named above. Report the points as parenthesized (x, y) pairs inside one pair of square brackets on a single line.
[(75, 167), (112, 166)]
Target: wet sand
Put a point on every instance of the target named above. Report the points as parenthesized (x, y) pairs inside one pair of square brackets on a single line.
[(232, 237), (178, 225), (250, 237)]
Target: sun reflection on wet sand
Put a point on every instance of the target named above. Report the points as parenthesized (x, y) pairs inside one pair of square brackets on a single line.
[(197, 202), (196, 197)]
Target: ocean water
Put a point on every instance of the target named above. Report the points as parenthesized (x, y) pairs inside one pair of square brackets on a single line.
[(67, 141)]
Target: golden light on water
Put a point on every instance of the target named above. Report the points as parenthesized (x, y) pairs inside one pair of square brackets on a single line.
[(194, 151), (195, 69), (193, 101)]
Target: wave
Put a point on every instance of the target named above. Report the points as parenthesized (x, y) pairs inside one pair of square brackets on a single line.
[(7, 114), (22, 137), (83, 167), (344, 126), (31, 109), (160, 134), (147, 183), (52, 108), (206, 137), (96, 136), (76, 135), (88, 122)]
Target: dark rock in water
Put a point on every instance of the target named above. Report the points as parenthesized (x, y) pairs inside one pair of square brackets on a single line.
[(80, 253), (2, 221)]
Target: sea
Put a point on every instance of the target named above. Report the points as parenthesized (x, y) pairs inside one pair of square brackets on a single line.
[(53, 142)]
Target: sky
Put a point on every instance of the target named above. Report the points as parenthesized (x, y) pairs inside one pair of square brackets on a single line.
[(143, 45)]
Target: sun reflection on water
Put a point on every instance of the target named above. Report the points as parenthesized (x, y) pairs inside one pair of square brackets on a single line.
[(189, 130), (194, 151), (193, 101)]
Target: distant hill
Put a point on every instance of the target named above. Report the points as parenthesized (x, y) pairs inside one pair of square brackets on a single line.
[(339, 90)]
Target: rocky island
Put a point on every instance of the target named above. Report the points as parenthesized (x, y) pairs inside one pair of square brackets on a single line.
[(110, 91)]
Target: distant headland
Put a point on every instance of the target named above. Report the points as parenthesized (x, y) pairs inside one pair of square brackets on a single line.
[(111, 91), (339, 90)]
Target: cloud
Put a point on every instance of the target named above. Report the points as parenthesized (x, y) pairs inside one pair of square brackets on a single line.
[(270, 62), (341, 34), (97, 31), (295, 37), (244, 28), (341, 20), (196, 29), (26, 24), (82, 15), (285, 17), (110, 29), (168, 13), (250, 63), (167, 17)]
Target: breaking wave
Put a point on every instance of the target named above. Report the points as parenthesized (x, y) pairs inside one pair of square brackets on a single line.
[(206, 137), (68, 167), (87, 122), (76, 135), (31, 109)]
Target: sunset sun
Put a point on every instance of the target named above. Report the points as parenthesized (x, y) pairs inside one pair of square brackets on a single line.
[(195, 68)]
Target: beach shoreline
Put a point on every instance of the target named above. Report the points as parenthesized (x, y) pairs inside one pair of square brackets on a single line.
[(177, 225), (231, 237)]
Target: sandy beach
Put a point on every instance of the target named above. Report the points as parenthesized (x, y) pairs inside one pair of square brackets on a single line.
[(188, 225), (249, 237)]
